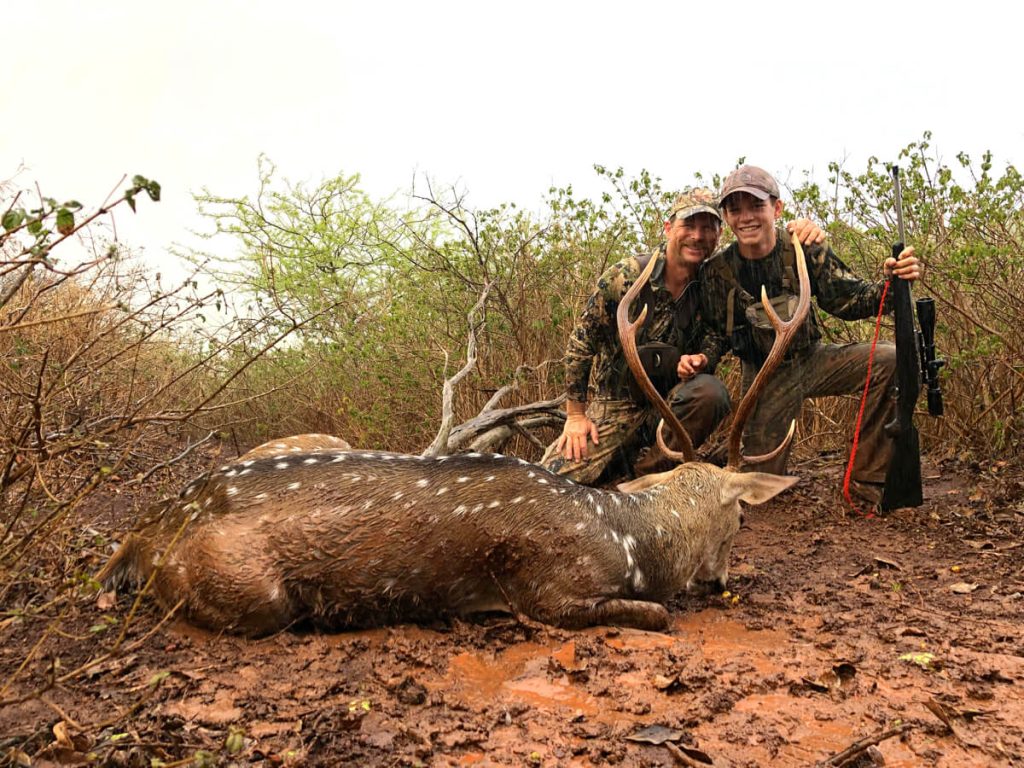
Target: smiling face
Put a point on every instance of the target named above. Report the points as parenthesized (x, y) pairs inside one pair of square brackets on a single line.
[(752, 220), (693, 239)]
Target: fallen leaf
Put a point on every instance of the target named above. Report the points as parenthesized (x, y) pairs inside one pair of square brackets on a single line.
[(923, 659), (963, 588), (106, 600), (656, 734), (888, 563)]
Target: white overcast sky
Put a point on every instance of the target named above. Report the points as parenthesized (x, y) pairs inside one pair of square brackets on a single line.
[(504, 99)]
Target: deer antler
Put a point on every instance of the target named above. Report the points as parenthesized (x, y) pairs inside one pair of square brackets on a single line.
[(627, 336), (784, 332)]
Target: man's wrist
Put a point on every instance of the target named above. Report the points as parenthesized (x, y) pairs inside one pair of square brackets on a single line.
[(575, 408)]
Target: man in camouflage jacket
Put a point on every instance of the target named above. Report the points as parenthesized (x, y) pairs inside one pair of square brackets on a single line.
[(607, 419), (731, 283)]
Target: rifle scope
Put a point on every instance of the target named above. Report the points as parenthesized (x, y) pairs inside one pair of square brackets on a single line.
[(926, 344)]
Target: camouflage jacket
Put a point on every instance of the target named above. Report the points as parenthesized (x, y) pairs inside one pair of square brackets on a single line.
[(730, 284), (594, 361)]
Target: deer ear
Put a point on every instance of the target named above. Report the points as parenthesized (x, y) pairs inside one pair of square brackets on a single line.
[(754, 487), (645, 482)]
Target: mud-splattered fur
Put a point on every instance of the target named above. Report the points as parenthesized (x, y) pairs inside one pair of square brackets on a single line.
[(359, 538)]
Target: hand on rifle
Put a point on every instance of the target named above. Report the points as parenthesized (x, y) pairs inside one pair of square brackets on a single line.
[(572, 443), (907, 267)]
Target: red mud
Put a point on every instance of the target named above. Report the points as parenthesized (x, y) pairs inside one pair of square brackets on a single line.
[(837, 628)]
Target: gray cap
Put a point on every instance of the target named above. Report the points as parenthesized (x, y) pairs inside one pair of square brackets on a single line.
[(751, 179)]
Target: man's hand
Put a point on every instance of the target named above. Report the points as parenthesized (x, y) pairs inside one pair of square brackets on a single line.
[(907, 267), (806, 231), (572, 443), (690, 365)]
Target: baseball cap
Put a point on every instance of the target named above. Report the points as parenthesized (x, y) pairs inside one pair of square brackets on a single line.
[(694, 201), (749, 178)]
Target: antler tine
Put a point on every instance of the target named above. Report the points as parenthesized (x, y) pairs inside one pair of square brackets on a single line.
[(627, 336), (784, 332)]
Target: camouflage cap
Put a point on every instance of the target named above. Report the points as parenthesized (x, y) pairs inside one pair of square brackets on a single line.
[(694, 201), (749, 178)]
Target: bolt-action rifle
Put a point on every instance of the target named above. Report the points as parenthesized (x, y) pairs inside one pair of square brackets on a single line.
[(915, 364)]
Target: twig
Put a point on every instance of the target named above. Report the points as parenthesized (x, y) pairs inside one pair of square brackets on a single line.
[(169, 462), (841, 758)]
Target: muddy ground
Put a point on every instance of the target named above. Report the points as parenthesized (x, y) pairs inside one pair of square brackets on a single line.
[(838, 629)]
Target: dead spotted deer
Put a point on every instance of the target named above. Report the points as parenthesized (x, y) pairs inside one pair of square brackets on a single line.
[(355, 538)]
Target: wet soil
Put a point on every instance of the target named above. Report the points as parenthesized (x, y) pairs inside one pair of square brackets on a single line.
[(838, 630)]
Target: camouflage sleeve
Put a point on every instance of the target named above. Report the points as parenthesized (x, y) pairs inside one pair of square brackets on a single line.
[(839, 291), (713, 347), (590, 333)]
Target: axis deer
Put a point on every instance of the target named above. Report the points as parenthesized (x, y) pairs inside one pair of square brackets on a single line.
[(355, 538)]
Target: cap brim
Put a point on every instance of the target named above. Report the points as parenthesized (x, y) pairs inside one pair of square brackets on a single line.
[(693, 210), (760, 194)]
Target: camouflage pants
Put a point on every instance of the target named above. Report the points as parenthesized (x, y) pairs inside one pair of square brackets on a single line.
[(827, 369), (623, 428)]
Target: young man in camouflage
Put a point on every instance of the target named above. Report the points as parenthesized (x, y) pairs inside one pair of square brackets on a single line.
[(607, 419), (731, 288)]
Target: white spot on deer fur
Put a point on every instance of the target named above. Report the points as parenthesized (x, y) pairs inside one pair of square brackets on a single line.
[(498, 455), (280, 446), (248, 463), (474, 455), (580, 526), (674, 513), (274, 593), (233, 490), (615, 537), (460, 510), (281, 465), (599, 509), (638, 579), (532, 501), (659, 530), (478, 507), (516, 500), (388, 456), (523, 461), (311, 461), (617, 500), (441, 490), (542, 481), (281, 456), (462, 479), (295, 448), (531, 473), (260, 496), (488, 478), (493, 504), (208, 502), (397, 495), (354, 478), (229, 473), (244, 472), (422, 483), (339, 457)]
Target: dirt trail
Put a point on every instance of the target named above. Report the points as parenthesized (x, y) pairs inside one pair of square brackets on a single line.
[(836, 628)]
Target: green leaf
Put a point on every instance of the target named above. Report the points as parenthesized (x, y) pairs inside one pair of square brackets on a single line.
[(65, 221), (130, 197), (35, 227), (13, 219), (153, 189)]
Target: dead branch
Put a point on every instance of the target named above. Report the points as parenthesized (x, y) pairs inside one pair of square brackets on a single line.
[(440, 443)]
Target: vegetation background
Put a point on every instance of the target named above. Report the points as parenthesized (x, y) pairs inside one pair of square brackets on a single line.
[(339, 313)]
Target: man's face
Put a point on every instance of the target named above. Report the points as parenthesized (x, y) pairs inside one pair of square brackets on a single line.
[(693, 238), (752, 221)]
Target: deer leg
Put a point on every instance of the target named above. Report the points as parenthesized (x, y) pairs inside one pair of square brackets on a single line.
[(639, 614)]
